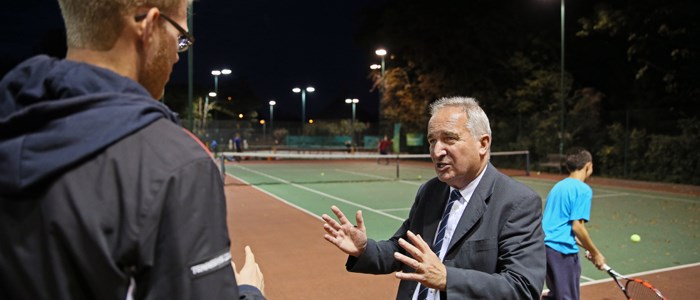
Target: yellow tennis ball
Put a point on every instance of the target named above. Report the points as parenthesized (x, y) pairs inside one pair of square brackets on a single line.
[(419, 177), (635, 238), (322, 174)]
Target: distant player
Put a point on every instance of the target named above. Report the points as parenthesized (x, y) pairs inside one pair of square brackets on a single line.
[(567, 209), (384, 148)]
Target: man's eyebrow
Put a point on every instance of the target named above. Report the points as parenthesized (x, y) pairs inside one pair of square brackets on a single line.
[(450, 134)]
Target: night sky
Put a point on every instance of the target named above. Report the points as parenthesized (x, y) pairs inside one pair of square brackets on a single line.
[(272, 45)]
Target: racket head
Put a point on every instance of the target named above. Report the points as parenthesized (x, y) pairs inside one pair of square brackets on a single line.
[(642, 290), (634, 288)]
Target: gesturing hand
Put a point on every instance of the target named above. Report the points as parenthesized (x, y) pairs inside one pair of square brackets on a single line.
[(350, 239), (250, 273), (430, 271)]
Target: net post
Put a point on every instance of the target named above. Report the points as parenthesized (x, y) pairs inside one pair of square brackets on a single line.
[(397, 167), (222, 166), (527, 162)]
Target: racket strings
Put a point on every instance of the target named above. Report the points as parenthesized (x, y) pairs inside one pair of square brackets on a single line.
[(641, 290)]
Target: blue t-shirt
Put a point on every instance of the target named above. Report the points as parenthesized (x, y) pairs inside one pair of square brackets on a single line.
[(569, 200)]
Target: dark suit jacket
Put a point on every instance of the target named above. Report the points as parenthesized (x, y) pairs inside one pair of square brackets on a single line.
[(496, 252)]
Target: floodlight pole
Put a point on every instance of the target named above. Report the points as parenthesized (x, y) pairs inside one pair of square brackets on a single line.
[(561, 88)]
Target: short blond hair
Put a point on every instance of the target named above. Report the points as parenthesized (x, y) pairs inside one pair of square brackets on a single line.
[(97, 24)]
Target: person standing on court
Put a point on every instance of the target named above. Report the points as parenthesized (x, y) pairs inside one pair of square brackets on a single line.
[(566, 211), (102, 194), (472, 232), (384, 147)]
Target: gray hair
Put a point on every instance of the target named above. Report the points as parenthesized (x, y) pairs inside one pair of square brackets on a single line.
[(477, 121)]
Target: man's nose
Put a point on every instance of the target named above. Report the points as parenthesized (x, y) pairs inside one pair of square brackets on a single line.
[(438, 150)]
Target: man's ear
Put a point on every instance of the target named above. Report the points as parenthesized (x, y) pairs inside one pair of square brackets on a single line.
[(484, 144), (147, 27)]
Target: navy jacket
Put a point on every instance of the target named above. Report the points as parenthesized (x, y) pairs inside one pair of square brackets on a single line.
[(101, 192)]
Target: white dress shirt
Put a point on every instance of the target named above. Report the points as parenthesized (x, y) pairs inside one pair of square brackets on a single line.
[(452, 221)]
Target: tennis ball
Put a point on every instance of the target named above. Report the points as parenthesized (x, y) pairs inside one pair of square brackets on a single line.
[(538, 172), (419, 177), (322, 174), (635, 238)]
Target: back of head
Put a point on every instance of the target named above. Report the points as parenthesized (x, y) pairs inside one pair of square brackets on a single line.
[(477, 121), (97, 24), (577, 158)]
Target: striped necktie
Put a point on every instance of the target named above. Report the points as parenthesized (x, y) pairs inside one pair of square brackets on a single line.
[(454, 196)]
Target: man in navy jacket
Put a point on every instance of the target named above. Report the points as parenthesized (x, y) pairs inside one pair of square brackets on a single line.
[(102, 194)]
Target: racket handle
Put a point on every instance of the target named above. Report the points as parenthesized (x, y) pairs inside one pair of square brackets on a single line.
[(589, 257)]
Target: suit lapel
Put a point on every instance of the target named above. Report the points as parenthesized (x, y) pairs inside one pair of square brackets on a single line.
[(434, 213), (476, 207)]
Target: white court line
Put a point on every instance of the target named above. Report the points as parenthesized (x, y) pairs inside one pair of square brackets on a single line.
[(537, 182), (276, 197), (646, 273), (376, 176), (587, 278), (610, 195), (667, 198), (635, 193), (395, 209), (322, 194)]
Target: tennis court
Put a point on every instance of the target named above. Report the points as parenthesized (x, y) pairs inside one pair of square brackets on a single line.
[(668, 223)]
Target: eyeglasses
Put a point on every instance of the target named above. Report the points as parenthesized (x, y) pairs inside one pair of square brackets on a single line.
[(184, 41)]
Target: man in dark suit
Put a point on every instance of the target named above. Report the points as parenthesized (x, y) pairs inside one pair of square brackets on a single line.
[(485, 242)]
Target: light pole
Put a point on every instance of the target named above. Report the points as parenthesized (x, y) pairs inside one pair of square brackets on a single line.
[(561, 88), (382, 53), (262, 122), (303, 102), (352, 124), (272, 110), (216, 74), (207, 107)]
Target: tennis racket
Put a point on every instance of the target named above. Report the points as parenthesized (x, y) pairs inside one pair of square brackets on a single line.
[(633, 288)]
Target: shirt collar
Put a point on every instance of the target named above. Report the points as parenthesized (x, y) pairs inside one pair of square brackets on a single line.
[(468, 190)]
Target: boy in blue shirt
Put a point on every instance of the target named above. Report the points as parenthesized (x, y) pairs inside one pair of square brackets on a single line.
[(567, 209)]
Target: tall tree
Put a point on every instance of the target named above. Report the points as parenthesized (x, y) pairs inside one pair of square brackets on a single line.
[(661, 44)]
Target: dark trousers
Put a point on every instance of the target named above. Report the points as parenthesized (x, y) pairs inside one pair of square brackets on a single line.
[(563, 275)]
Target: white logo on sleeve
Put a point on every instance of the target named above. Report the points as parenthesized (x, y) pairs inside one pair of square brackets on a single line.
[(213, 264)]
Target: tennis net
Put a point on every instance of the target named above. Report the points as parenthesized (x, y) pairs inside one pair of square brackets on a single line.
[(315, 166)]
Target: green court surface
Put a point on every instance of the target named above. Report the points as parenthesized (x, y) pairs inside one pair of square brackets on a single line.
[(667, 223)]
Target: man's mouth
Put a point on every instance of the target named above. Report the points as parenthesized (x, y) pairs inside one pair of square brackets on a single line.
[(441, 165)]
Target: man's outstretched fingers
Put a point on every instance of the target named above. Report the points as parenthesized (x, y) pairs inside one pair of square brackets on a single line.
[(331, 222), (249, 256), (359, 220), (341, 216), (415, 252), (418, 242), (408, 261)]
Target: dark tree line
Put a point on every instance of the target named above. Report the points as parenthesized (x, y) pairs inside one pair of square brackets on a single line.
[(630, 85)]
